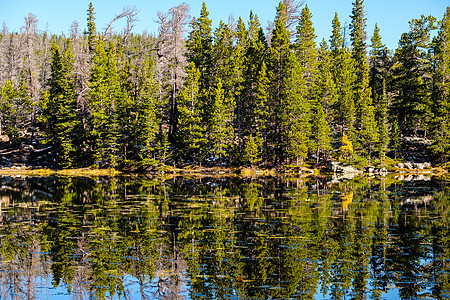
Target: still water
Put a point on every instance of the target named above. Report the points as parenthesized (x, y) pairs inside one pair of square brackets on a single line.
[(224, 238)]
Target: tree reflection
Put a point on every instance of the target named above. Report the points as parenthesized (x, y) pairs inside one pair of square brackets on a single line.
[(220, 238)]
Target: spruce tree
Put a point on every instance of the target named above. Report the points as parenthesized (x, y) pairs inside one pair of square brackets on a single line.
[(321, 132), (382, 121), (344, 75), (199, 51), (412, 76), (105, 94), (378, 67), (306, 52), (221, 130), (326, 87), (252, 105), (283, 70), (59, 110), (145, 119), (441, 94), (15, 107), (365, 112), (91, 31), (192, 130)]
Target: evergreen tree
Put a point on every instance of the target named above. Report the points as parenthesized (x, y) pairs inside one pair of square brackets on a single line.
[(252, 151), (344, 74), (145, 120), (412, 74), (91, 30), (441, 92), (15, 107), (378, 67), (383, 129), (252, 105), (365, 112), (395, 141), (285, 101), (59, 110), (306, 52), (221, 130), (105, 94), (192, 130), (199, 51), (321, 132), (326, 87)]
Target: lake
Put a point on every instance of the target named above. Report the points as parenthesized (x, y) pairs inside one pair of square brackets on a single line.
[(224, 238)]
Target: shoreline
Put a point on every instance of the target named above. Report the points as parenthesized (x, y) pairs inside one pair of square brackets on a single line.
[(207, 171)]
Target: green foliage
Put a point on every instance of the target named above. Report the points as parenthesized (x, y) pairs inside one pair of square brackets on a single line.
[(15, 106), (346, 148), (395, 142), (220, 133), (267, 98), (191, 136), (59, 110), (441, 94), (252, 150), (412, 74), (105, 95)]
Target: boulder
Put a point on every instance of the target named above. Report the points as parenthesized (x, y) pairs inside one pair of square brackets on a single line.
[(337, 167), (409, 166)]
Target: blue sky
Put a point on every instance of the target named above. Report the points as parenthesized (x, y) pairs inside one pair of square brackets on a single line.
[(392, 16)]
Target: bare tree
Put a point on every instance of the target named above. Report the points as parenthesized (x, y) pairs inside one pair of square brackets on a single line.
[(130, 13), (292, 12), (171, 55), (30, 33)]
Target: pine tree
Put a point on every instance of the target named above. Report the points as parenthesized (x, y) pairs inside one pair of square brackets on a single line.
[(326, 87), (325, 100), (59, 110), (91, 31), (192, 130), (306, 52), (344, 75), (15, 107), (252, 105), (145, 120), (221, 130), (365, 112), (383, 129), (441, 94), (395, 141), (321, 132), (412, 74), (199, 51), (252, 151), (105, 94), (286, 102), (378, 67)]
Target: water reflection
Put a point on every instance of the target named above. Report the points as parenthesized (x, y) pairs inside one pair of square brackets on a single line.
[(223, 238)]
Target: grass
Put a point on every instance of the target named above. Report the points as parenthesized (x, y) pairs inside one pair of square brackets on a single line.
[(88, 172)]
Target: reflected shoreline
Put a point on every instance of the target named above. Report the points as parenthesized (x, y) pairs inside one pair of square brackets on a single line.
[(219, 238)]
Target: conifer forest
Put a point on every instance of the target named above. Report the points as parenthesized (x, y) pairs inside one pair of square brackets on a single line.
[(241, 94)]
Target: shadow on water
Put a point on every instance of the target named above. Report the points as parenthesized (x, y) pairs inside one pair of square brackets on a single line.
[(224, 238)]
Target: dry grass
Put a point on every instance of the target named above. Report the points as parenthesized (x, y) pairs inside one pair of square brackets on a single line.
[(69, 172)]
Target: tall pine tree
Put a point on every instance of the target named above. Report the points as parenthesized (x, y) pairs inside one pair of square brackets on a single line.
[(59, 110)]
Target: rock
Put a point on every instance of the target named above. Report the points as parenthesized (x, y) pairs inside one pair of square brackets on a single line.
[(337, 167), (409, 166), (418, 166), (401, 165)]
